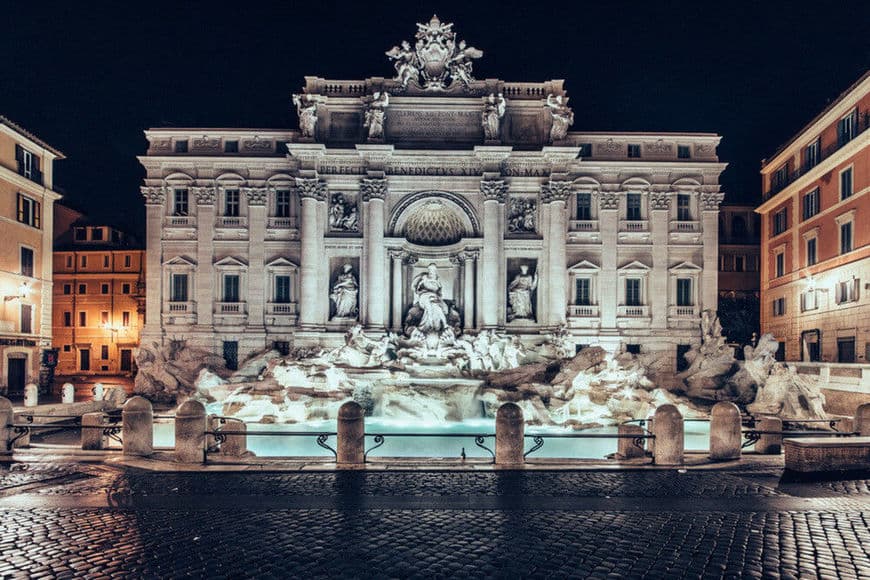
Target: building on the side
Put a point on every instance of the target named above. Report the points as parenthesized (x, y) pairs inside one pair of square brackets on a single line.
[(99, 298), (739, 231), (815, 242), (26, 201), (270, 237)]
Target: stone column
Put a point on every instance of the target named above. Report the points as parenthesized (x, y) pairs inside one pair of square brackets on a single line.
[(206, 284), (670, 438), (256, 297), (469, 259), (660, 207), (373, 192), (190, 424), (311, 191), (155, 200), (509, 435), (137, 425), (709, 291), (493, 192), (726, 436), (396, 297), (555, 193), (608, 226), (350, 435)]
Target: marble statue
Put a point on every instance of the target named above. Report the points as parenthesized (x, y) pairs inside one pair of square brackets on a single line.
[(405, 63), (460, 65), (520, 294), (521, 219), (375, 113), (343, 215), (493, 110), (306, 108), (563, 116), (344, 293), (427, 296)]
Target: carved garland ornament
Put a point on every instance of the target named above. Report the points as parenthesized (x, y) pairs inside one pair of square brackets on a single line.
[(373, 189), (153, 195), (493, 190), (312, 188), (256, 195), (710, 201)]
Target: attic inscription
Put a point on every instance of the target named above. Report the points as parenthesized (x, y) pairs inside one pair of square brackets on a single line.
[(451, 125)]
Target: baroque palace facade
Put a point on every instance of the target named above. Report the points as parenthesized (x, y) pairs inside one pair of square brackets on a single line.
[(431, 200)]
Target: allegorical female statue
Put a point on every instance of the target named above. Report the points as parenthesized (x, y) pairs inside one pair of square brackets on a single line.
[(520, 294), (427, 296), (563, 116), (493, 111), (344, 293), (375, 113), (306, 108)]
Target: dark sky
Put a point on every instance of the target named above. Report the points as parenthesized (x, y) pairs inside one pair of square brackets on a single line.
[(89, 81)]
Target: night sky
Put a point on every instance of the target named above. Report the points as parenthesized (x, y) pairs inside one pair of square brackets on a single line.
[(89, 81)]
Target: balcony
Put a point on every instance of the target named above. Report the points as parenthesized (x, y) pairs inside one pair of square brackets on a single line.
[(179, 313), (179, 221), (684, 226), (231, 307), (632, 311), (583, 226), (282, 223), (282, 308), (180, 307), (682, 312), (583, 311), (633, 225), (230, 312), (231, 222)]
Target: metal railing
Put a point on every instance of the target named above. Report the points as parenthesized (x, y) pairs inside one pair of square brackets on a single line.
[(539, 438), (111, 426), (479, 440), (753, 436), (220, 437)]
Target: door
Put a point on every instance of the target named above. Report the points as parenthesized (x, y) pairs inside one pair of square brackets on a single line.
[(16, 376), (846, 350), (126, 360), (85, 359), (231, 354)]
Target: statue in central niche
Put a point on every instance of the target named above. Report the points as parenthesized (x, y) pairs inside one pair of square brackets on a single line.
[(431, 315)]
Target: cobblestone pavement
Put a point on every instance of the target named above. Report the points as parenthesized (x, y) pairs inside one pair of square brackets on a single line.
[(94, 521)]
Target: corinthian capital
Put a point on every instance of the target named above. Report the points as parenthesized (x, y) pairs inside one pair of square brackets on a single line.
[(608, 200), (153, 195), (493, 189), (204, 195), (555, 191), (373, 189), (256, 195), (659, 200), (312, 188), (710, 201)]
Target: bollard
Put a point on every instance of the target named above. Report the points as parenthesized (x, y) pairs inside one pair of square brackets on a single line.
[(862, 420), (93, 439), (31, 395), (509, 435), (670, 440), (98, 391), (6, 416), (190, 427), (235, 445), (769, 444), (351, 434), (626, 449), (68, 394), (726, 433), (137, 427)]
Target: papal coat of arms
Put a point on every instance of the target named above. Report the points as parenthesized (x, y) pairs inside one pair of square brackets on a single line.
[(436, 61)]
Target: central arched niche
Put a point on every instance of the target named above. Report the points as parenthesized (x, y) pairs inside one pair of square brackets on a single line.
[(433, 218)]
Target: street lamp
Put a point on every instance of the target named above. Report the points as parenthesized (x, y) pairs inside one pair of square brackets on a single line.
[(23, 291)]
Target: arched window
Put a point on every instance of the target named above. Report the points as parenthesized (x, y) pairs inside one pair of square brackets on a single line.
[(738, 227)]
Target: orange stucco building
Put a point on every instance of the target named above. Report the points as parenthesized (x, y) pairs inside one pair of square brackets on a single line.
[(815, 235)]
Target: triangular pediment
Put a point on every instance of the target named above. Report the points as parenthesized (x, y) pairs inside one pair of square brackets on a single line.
[(231, 262), (635, 266), (180, 261), (584, 266), (686, 267), (282, 262)]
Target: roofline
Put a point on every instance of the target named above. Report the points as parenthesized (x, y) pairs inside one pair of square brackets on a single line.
[(217, 129), (28, 135)]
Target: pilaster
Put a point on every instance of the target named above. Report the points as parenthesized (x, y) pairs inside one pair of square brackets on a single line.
[(373, 192), (256, 299), (660, 205), (494, 192), (205, 284), (608, 219), (155, 203), (709, 202), (554, 194), (312, 193)]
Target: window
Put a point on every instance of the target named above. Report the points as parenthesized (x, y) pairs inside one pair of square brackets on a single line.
[(683, 211), (231, 146), (585, 150), (28, 164), (812, 344), (231, 203), (67, 318), (779, 307), (125, 318), (128, 261), (632, 348), (181, 146), (180, 202), (29, 211), (809, 300), (846, 128), (69, 261), (738, 227), (85, 359), (583, 288), (811, 252), (282, 289), (632, 207), (684, 291), (81, 234), (584, 206), (812, 154), (104, 288), (105, 261), (27, 262), (26, 318), (846, 349), (780, 264), (847, 291), (780, 221), (97, 234), (739, 263), (632, 292), (83, 261), (67, 348), (845, 237), (178, 288), (67, 288), (83, 319), (125, 288), (83, 288), (634, 151), (104, 352), (811, 203), (282, 203), (846, 183), (104, 318), (231, 287), (684, 152), (780, 177)]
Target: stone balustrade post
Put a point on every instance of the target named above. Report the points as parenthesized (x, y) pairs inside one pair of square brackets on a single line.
[(137, 427), (726, 434), (68, 394), (626, 449), (769, 444), (509, 435), (93, 439), (31, 395), (6, 416), (862, 420), (670, 436), (235, 445), (190, 427), (351, 435)]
